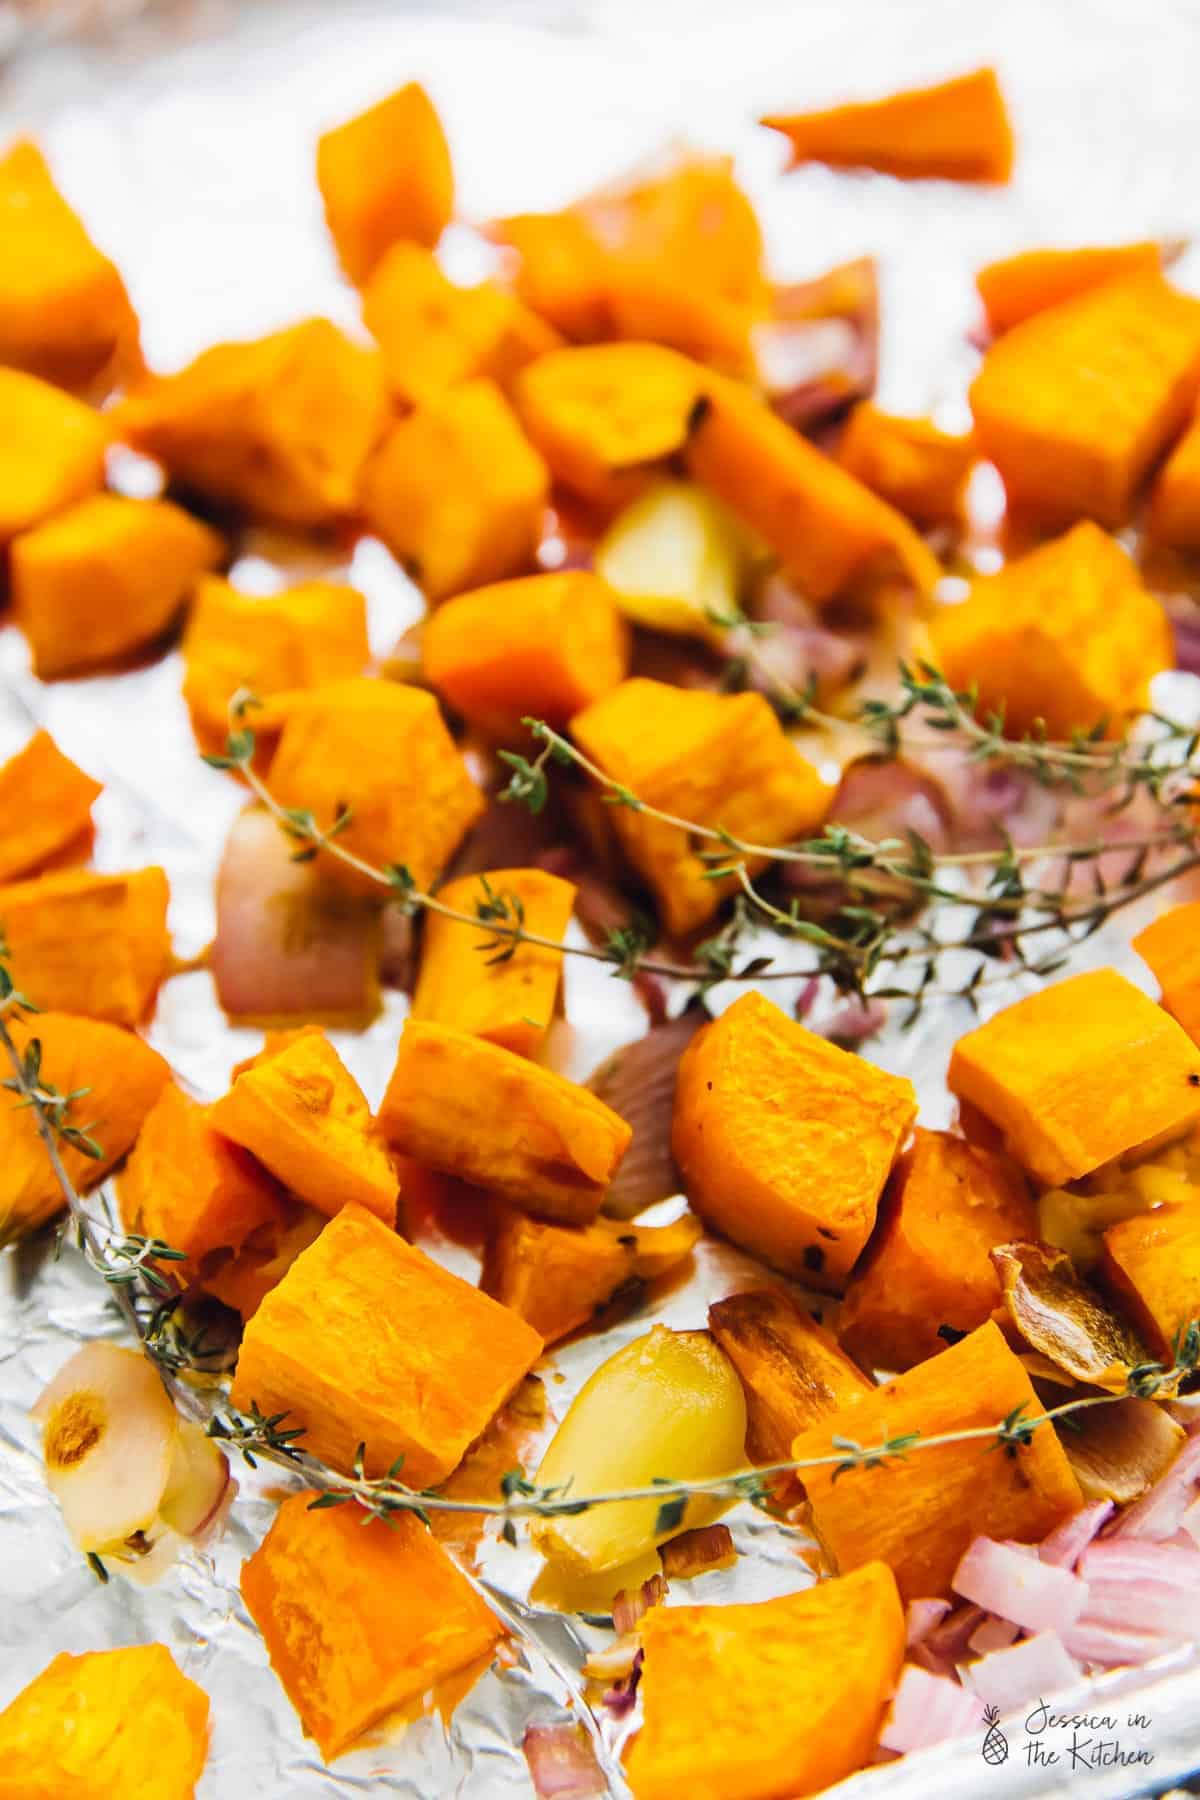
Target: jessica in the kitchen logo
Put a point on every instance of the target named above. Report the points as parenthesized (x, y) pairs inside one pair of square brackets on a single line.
[(1045, 1739)]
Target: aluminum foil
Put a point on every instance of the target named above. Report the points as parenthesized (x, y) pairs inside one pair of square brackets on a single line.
[(185, 134)]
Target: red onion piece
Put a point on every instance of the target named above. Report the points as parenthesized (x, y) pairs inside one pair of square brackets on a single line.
[(855, 1022), (1111, 1645), (1068, 1542), (1033, 1594), (629, 1608), (928, 1709), (621, 1697), (993, 1634), (884, 798), (1012, 1677), (921, 1617), (1185, 621), (638, 1082), (951, 1638), (562, 1764), (1160, 1513)]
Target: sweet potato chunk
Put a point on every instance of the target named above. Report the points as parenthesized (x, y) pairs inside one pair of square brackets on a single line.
[(122, 1078), (359, 1616), (51, 451), (784, 1141), (367, 1341), (191, 1187), (476, 982), (721, 760), (475, 1110), (1074, 405), (558, 1277), (1171, 946), (542, 647), (64, 312), (98, 584), (792, 1369), (1175, 501), (381, 750), (244, 1280), (45, 807), (97, 944), (303, 1115), (1019, 286), (385, 176), (958, 130), (279, 426), (105, 1723), (457, 491), (1066, 634), (1079, 1074), (781, 1697), (1151, 1264), (928, 1267), (920, 1514), (916, 468)]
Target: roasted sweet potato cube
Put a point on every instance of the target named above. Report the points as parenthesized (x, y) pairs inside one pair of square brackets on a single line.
[(381, 750), (542, 647), (1019, 286), (122, 1076), (105, 1723), (99, 584), (782, 1696), (51, 451), (1151, 1264), (193, 1188), (784, 1141), (558, 1277), (385, 176), (270, 643), (792, 1369), (1075, 405), (721, 760), (279, 426), (243, 1281), (457, 491), (1079, 1074), (45, 807), (64, 312), (1171, 946), (957, 130), (1066, 634), (303, 1115), (359, 1616), (94, 944), (367, 1341), (1175, 501), (920, 1514), (479, 983), (927, 1268), (916, 468), (480, 1112)]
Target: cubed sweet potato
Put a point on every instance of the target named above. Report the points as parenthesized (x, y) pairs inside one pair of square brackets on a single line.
[(1175, 501), (1151, 1265), (385, 176), (478, 1111), (919, 1514), (1079, 1074), (542, 647), (792, 1369), (45, 807), (957, 129), (367, 1341), (916, 468), (1019, 286), (1171, 946), (243, 1280), (94, 944), (779, 1697), (721, 760), (51, 451), (928, 1267)]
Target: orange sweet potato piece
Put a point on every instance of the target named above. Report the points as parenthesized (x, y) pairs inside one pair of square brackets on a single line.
[(1066, 634), (1079, 1074), (385, 176), (244, 1280), (778, 1698), (784, 1141), (191, 1187), (916, 468), (51, 451), (495, 990), (367, 1341), (122, 1076), (1015, 288), (457, 491), (475, 1110), (96, 944), (359, 1616), (105, 1723), (64, 312), (381, 750), (721, 760), (99, 583), (544, 646), (558, 1277), (1171, 946), (827, 529), (45, 807), (303, 1115), (1074, 405), (958, 130), (279, 426), (919, 1515), (1151, 1265), (928, 1266), (792, 1369), (1175, 500)]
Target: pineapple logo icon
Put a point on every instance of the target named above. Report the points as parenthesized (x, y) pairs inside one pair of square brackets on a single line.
[(995, 1744)]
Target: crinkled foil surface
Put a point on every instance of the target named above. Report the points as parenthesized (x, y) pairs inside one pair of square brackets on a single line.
[(184, 133)]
